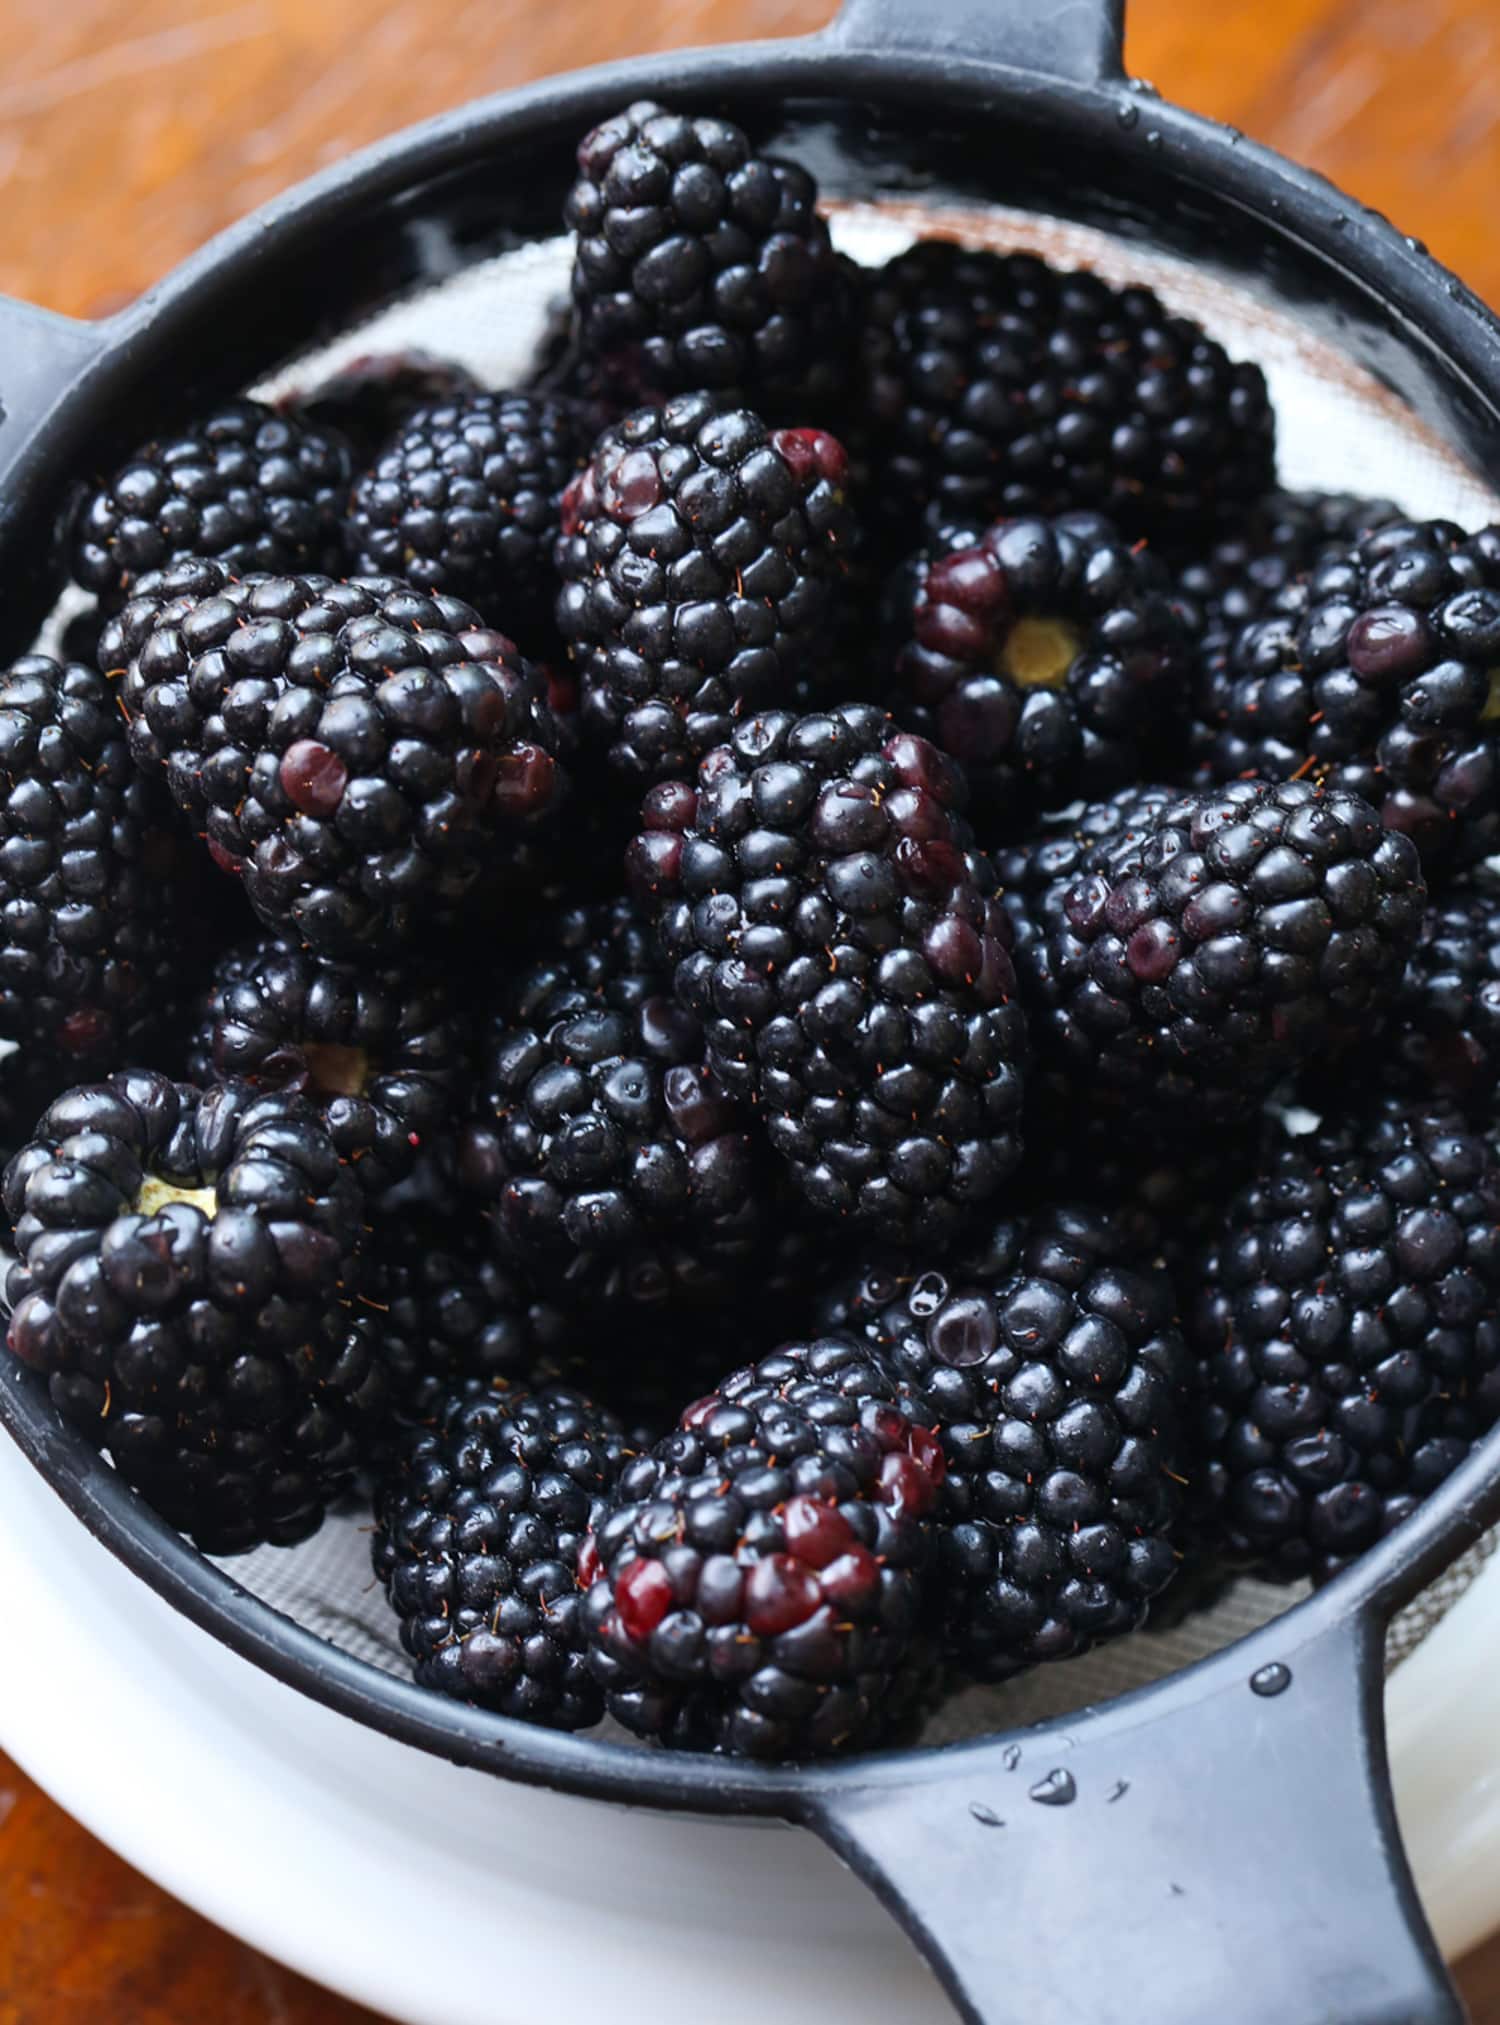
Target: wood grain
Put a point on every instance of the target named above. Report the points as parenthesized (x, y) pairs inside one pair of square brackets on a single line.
[(132, 129)]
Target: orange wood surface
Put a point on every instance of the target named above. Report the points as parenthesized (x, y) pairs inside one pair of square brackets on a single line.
[(132, 129)]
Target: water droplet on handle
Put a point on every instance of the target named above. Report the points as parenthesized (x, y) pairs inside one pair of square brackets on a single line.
[(1272, 1679), (1058, 1789), (985, 1816), (1128, 116), (1011, 1757)]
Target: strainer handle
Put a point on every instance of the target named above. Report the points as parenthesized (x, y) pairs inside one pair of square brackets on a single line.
[(41, 356), (1202, 1849), (1081, 40)]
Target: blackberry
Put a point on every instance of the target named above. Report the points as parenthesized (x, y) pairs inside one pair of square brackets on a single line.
[(372, 397), (466, 500), (755, 1583), (253, 489), (1047, 656), (184, 1280), (383, 1055), (841, 945), (616, 1163), (1348, 1334), (88, 908), (991, 384), (368, 760), (1189, 951), (1051, 1364), (1376, 676), (1254, 569), (1444, 1033), (479, 1521), (702, 561), (703, 263)]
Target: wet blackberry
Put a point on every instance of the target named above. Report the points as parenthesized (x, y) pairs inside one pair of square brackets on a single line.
[(183, 1284), (1444, 1032), (368, 760), (1376, 675), (88, 908), (702, 563), (466, 500), (251, 488), (703, 263), (480, 1518), (1349, 1335), (371, 398), (1253, 570), (382, 1054), (616, 1164), (1047, 656), (1050, 1362), (991, 384), (755, 1584), (1201, 947), (843, 949)]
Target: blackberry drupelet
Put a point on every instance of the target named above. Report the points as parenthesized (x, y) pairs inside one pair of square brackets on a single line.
[(184, 1281), (466, 500), (479, 1521), (1180, 960), (703, 263), (991, 384), (251, 488), (1050, 1362), (617, 1166), (1047, 657), (1349, 1335), (384, 1055), (369, 400), (844, 951), (755, 1585), (1377, 675), (371, 762), (1444, 1033), (89, 911), (702, 562)]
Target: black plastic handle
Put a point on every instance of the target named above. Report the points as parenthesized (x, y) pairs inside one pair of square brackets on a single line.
[(1222, 1846), (41, 356), (1082, 40)]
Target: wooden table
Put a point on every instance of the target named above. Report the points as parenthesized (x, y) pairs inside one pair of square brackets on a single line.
[(132, 129)]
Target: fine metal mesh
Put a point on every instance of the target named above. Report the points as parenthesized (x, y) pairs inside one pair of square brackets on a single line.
[(1338, 429)]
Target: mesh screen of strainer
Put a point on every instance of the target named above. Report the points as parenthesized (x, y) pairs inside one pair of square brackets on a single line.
[(1339, 430)]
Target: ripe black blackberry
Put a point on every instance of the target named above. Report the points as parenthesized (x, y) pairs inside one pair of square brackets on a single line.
[(702, 561), (466, 499), (370, 762), (1252, 570), (382, 1054), (1049, 1359), (1189, 951), (89, 908), (755, 1585), (991, 384), (371, 398), (1376, 675), (184, 1281), (479, 1520), (253, 489), (446, 1311), (616, 1164), (1047, 656), (1444, 1032), (705, 264), (1349, 1335), (843, 949)]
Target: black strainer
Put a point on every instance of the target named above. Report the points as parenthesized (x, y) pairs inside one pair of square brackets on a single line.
[(1220, 1843)]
